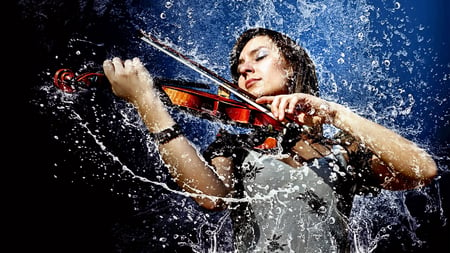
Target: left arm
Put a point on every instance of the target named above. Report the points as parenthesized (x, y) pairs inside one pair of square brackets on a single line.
[(399, 163)]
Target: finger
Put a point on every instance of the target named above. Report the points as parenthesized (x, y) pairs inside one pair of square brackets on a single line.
[(118, 64), (128, 65), (141, 70), (293, 104), (269, 100), (137, 62), (108, 67), (274, 106), (284, 103), (137, 65)]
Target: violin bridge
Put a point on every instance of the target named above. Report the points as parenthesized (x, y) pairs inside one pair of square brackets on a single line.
[(223, 92)]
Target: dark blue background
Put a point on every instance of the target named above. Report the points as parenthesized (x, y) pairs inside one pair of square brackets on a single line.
[(62, 204)]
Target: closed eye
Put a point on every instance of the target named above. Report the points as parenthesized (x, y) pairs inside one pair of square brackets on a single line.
[(261, 54), (256, 55)]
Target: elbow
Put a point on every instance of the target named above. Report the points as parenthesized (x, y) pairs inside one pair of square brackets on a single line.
[(411, 178), (429, 171), (428, 168)]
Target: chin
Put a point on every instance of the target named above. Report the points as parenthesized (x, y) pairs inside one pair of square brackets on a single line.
[(257, 93)]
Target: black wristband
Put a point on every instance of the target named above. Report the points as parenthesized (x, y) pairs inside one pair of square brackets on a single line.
[(168, 134)]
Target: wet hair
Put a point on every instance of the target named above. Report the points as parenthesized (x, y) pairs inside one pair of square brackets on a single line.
[(304, 77)]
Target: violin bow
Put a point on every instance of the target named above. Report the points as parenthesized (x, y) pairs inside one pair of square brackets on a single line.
[(222, 82)]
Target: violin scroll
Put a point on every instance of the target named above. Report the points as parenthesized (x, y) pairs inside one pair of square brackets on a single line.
[(67, 81)]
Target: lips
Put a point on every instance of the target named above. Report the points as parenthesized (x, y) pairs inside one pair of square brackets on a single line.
[(250, 82)]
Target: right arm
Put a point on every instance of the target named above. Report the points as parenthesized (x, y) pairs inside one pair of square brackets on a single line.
[(131, 81)]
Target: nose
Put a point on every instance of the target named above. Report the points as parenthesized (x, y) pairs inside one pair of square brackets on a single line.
[(246, 68)]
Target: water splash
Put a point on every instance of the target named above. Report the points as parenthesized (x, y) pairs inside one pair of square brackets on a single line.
[(372, 57)]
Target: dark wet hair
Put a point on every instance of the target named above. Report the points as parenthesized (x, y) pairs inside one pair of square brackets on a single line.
[(304, 78)]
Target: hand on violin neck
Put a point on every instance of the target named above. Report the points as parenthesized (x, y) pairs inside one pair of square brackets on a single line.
[(129, 79)]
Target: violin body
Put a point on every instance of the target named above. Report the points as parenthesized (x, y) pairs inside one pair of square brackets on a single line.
[(223, 108)]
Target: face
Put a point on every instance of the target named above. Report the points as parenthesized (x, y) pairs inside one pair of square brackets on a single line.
[(262, 69)]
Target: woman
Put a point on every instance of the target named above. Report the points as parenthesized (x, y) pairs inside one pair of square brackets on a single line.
[(298, 196)]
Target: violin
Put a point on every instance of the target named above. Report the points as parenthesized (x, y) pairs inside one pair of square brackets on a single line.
[(184, 94)]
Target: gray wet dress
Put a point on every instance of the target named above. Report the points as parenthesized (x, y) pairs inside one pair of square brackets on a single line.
[(279, 208)]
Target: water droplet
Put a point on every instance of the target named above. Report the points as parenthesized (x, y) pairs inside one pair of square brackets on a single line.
[(375, 64), (168, 4), (363, 19), (163, 15), (360, 35), (332, 220)]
